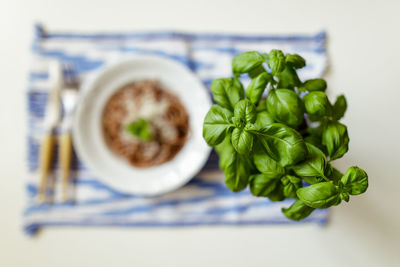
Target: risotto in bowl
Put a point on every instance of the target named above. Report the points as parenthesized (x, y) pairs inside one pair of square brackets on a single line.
[(145, 124)]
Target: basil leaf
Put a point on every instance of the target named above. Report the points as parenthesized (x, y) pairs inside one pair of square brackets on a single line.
[(250, 127), (246, 62), (277, 193), (295, 60), (320, 196), (315, 136), (263, 119), (242, 140), (257, 87), (141, 129), (237, 171), (317, 131), (261, 185), (236, 167), (282, 143), (297, 211), (290, 185), (224, 151), (317, 104), (313, 85), (315, 141), (339, 108), (344, 196), (336, 139), (288, 78), (276, 61), (265, 55), (238, 122), (261, 105), (334, 174), (313, 168), (285, 106), (355, 181), (265, 164), (246, 111), (227, 92), (216, 125), (256, 71)]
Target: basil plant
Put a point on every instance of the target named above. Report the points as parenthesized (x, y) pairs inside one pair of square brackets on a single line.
[(280, 135)]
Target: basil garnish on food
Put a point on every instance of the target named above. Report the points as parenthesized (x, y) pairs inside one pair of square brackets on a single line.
[(140, 129)]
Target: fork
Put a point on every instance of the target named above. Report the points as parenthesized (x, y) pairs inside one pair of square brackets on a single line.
[(69, 96)]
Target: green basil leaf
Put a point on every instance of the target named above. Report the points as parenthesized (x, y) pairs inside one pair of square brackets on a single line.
[(339, 108), (295, 60), (276, 61), (247, 62), (290, 185), (227, 92), (277, 193), (224, 151), (257, 71), (315, 141), (282, 143), (237, 171), (265, 55), (242, 140), (261, 105), (297, 211), (250, 127), (263, 119), (317, 104), (141, 129), (320, 196), (239, 123), (314, 118), (355, 181), (313, 168), (261, 185), (288, 78), (314, 85), (336, 139), (257, 87), (344, 196), (245, 110), (285, 106), (334, 174), (216, 125), (317, 131), (265, 164), (315, 136)]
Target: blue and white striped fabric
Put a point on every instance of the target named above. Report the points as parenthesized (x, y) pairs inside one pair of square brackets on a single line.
[(205, 200)]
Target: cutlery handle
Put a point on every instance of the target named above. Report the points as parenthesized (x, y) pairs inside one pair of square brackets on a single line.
[(65, 157), (45, 157)]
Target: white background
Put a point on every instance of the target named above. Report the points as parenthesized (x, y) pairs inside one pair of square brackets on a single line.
[(363, 45)]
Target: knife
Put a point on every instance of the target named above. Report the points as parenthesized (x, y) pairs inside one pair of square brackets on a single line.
[(52, 118)]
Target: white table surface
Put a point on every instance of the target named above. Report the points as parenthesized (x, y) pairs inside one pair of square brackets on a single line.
[(364, 43)]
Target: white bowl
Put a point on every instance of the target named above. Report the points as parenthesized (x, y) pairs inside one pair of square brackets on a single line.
[(113, 170)]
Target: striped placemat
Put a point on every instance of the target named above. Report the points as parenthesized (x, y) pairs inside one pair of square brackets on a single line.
[(204, 200)]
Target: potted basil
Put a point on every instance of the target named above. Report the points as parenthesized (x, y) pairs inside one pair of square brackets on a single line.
[(281, 145)]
